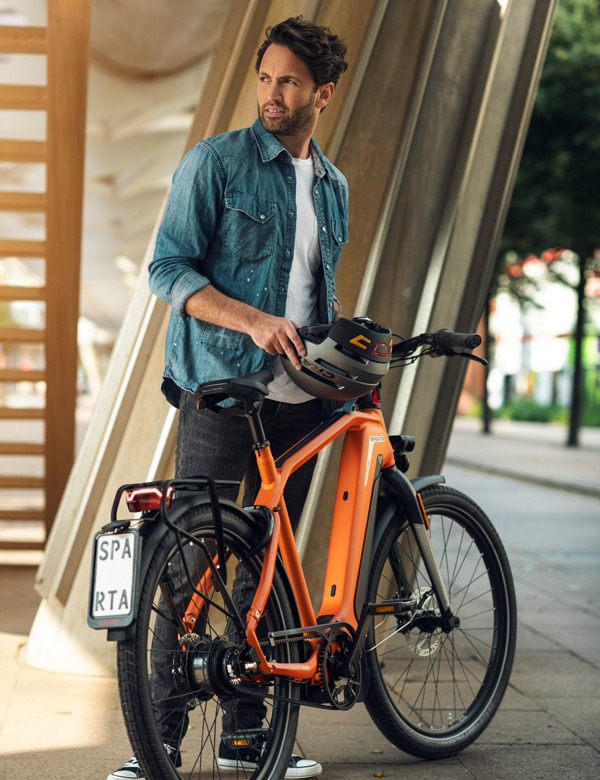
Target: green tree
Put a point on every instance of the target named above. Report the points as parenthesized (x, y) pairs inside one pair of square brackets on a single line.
[(556, 201)]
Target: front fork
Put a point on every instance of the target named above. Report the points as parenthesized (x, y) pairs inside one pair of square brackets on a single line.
[(419, 523)]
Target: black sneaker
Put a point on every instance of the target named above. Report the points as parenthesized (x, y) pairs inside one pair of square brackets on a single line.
[(243, 751), (132, 770)]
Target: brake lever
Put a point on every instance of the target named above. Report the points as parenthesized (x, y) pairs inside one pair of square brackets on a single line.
[(468, 356), (451, 352)]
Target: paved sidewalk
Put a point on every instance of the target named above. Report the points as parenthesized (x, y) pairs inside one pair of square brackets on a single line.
[(57, 727), (533, 452)]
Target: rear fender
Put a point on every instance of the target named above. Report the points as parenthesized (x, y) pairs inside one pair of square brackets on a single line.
[(153, 532)]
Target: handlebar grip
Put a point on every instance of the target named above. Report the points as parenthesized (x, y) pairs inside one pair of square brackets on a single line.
[(447, 338)]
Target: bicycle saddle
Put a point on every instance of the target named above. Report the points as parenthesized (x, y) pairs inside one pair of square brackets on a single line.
[(247, 390)]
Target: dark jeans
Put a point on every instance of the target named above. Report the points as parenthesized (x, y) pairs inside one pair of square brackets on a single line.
[(221, 448)]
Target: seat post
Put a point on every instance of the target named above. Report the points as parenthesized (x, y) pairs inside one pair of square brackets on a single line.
[(257, 430)]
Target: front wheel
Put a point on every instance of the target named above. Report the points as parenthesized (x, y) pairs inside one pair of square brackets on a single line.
[(432, 693)]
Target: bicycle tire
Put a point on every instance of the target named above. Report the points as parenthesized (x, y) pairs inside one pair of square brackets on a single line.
[(433, 693), (145, 664)]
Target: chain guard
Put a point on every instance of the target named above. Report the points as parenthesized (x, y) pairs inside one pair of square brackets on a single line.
[(330, 703)]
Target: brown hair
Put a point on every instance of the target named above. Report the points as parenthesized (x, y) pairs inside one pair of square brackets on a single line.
[(322, 51)]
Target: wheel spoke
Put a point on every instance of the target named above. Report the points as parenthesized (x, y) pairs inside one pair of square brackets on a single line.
[(177, 676), (436, 682)]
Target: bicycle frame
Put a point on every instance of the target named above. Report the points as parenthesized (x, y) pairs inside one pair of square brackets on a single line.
[(366, 438), (367, 451)]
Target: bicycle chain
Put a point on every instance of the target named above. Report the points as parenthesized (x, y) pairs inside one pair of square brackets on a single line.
[(274, 696)]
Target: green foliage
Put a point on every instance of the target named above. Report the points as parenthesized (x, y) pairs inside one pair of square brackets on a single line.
[(591, 417), (528, 410), (556, 201)]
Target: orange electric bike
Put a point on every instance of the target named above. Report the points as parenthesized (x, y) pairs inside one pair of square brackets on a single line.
[(417, 618)]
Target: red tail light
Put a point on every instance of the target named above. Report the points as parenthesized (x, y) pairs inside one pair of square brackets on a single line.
[(142, 499)]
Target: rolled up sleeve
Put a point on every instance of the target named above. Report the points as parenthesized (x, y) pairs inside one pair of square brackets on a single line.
[(188, 226)]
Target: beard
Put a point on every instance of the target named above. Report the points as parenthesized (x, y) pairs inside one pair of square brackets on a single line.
[(293, 123)]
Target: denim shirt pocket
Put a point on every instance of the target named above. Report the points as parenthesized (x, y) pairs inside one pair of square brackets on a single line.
[(249, 226), (339, 235), (217, 336)]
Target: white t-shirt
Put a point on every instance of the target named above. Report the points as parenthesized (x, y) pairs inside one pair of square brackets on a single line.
[(301, 302)]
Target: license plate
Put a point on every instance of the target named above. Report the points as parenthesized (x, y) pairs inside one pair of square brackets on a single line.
[(112, 586)]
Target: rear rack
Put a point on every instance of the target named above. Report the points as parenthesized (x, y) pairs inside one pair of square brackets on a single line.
[(163, 491)]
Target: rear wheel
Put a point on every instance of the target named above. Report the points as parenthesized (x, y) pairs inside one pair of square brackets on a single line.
[(176, 694), (432, 693)]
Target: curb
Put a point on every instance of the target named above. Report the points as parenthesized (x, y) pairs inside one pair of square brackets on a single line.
[(550, 483)]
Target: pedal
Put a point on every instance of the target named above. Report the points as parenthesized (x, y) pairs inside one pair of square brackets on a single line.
[(246, 738), (393, 606)]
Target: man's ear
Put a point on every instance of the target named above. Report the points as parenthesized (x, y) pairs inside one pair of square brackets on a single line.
[(325, 95)]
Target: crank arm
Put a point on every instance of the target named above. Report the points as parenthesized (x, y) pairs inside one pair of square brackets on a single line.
[(390, 607)]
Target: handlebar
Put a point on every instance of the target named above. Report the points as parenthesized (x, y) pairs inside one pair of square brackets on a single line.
[(443, 339)]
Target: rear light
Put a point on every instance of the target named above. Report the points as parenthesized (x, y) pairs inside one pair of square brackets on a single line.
[(381, 350), (143, 499)]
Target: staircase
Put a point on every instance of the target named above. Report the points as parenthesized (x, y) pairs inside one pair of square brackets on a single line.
[(28, 492)]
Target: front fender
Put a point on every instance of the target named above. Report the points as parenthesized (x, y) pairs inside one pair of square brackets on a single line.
[(420, 483), (393, 511)]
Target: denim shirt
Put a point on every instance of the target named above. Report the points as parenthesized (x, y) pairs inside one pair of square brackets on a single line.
[(230, 221)]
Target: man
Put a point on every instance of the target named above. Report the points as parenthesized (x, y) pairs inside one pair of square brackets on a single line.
[(246, 253)]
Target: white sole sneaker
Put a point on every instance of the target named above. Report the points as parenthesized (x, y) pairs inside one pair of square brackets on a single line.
[(298, 769)]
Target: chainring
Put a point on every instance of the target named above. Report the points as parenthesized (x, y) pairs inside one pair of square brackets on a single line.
[(342, 691)]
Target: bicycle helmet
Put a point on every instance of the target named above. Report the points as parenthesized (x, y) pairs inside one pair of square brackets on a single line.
[(344, 360)]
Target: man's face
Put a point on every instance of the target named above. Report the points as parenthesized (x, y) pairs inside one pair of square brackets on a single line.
[(288, 99)]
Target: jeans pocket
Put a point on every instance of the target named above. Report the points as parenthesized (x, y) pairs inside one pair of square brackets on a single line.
[(249, 226), (339, 236)]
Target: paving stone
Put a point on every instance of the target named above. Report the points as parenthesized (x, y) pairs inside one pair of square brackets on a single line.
[(580, 715), (529, 640), (554, 661), (514, 700), (533, 728), (449, 769), (532, 762), (344, 737), (554, 674)]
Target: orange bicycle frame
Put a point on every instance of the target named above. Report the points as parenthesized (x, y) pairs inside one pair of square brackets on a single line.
[(366, 439)]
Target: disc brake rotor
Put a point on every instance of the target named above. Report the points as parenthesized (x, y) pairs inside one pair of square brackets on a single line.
[(426, 643)]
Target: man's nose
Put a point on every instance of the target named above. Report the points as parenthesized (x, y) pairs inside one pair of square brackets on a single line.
[(274, 94)]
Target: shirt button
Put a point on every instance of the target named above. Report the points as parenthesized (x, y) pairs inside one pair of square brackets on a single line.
[(327, 267), (287, 252), (282, 289), (340, 239), (331, 304), (291, 213), (289, 178), (316, 192), (262, 216), (324, 229)]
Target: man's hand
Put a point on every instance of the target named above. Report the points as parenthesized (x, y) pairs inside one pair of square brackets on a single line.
[(276, 335)]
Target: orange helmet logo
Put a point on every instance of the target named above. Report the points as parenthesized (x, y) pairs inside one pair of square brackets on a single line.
[(357, 339)]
